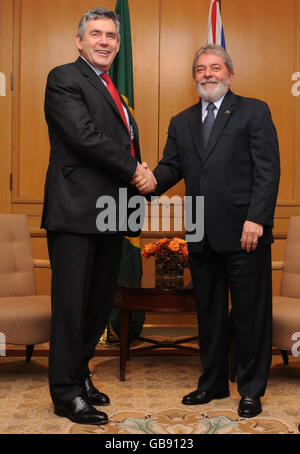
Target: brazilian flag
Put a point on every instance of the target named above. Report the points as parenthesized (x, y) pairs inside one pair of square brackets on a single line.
[(121, 73)]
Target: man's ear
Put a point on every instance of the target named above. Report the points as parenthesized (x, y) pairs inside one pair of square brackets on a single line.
[(230, 77), (78, 41)]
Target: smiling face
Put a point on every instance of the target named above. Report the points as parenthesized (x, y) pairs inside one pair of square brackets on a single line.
[(100, 43), (212, 77)]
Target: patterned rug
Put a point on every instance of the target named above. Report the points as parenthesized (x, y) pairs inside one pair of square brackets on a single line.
[(148, 402)]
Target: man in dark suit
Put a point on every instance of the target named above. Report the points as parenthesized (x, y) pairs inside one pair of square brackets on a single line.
[(94, 153), (226, 149)]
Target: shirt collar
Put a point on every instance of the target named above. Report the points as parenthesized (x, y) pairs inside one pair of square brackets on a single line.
[(216, 103), (97, 71)]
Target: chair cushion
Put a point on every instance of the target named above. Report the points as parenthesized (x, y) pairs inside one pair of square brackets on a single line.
[(16, 265), (25, 320), (286, 321)]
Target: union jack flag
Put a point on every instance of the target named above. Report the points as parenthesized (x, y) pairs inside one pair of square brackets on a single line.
[(215, 27)]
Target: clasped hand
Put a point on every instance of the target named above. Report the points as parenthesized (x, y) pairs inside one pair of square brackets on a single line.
[(143, 179)]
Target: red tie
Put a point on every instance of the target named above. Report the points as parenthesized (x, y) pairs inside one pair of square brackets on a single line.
[(116, 97)]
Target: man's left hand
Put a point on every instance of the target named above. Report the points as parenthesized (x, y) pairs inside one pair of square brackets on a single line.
[(251, 232)]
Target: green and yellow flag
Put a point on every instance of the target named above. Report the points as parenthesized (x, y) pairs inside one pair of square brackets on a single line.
[(121, 73)]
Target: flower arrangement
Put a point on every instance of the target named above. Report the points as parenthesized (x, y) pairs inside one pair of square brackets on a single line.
[(171, 255)]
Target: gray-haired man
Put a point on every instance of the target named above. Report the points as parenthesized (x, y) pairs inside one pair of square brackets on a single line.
[(226, 149), (92, 155)]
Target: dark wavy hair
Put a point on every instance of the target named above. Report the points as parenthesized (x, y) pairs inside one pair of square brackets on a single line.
[(98, 13)]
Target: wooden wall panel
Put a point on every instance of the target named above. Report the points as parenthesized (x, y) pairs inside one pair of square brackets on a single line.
[(144, 16), (264, 62), (6, 42), (183, 31), (261, 43), (163, 48), (54, 24)]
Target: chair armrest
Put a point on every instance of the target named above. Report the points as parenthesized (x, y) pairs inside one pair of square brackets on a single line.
[(277, 265), (38, 263)]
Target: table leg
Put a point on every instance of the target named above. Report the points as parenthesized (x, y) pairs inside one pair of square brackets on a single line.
[(124, 329)]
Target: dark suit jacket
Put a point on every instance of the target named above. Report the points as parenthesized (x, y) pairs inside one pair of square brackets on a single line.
[(238, 172), (90, 149)]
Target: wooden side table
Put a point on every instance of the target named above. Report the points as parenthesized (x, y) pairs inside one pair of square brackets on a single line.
[(147, 297)]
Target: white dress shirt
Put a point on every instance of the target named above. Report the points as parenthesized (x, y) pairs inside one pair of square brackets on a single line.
[(205, 104)]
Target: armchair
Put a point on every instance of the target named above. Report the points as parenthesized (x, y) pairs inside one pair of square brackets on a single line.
[(286, 307), (24, 315)]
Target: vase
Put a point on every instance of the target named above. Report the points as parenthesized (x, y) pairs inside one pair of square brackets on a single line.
[(168, 274)]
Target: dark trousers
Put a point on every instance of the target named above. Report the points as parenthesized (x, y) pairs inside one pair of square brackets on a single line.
[(84, 276), (248, 275)]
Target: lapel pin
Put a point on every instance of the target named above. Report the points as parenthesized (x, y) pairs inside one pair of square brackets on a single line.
[(227, 112)]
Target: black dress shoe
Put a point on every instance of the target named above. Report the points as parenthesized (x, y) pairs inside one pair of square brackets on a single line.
[(201, 397), (249, 407), (80, 411), (92, 395)]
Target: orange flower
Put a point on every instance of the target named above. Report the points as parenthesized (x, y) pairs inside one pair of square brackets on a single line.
[(167, 250), (163, 240), (174, 245), (149, 249), (180, 240)]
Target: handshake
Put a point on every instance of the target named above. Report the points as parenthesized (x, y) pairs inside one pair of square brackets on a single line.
[(143, 179)]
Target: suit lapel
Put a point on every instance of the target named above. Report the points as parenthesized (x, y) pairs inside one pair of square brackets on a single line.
[(225, 110), (94, 80), (195, 123)]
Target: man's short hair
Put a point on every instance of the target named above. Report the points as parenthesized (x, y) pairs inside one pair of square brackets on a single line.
[(98, 13), (213, 49)]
